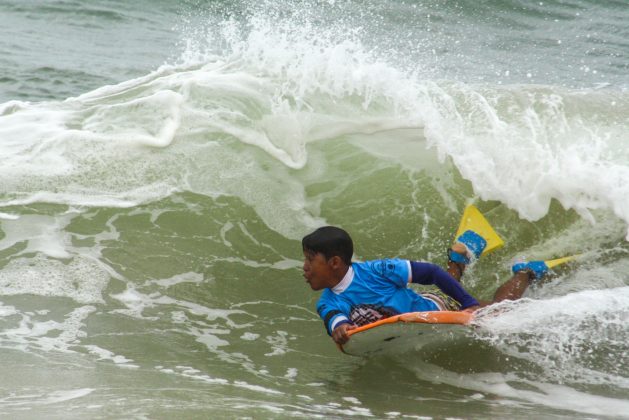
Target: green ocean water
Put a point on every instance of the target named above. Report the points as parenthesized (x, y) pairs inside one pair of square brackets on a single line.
[(161, 162)]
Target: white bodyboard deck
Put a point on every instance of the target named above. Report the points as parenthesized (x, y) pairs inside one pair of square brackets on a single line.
[(406, 332)]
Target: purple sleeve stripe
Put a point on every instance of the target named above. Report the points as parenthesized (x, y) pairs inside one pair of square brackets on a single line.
[(427, 273)]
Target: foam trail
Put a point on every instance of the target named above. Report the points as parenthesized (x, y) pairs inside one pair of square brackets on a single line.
[(571, 336)]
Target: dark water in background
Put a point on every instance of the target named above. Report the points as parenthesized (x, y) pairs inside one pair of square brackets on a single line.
[(161, 161)]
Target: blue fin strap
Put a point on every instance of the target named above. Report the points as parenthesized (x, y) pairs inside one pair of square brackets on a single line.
[(538, 268), (457, 258), (473, 241)]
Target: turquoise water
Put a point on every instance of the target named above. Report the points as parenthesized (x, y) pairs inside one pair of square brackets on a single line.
[(161, 162)]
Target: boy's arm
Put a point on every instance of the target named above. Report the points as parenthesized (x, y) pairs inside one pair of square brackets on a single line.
[(427, 273), (331, 315)]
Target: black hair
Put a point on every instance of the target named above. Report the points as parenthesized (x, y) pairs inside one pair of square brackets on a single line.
[(330, 241)]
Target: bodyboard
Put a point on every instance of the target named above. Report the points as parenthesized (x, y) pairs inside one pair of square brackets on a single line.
[(473, 220), (407, 332)]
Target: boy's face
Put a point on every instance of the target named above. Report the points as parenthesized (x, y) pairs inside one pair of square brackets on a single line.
[(318, 271)]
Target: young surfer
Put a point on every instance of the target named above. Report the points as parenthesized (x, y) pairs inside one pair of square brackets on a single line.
[(356, 293)]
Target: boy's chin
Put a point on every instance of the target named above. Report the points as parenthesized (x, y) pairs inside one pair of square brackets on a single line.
[(315, 287)]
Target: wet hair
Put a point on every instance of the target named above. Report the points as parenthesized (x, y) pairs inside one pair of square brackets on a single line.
[(330, 241)]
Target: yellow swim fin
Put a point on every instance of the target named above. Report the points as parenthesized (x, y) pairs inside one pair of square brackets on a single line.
[(473, 220), (559, 261)]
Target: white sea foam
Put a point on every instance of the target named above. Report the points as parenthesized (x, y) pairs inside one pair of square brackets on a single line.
[(179, 278), (571, 337), (211, 341), (104, 354), (278, 87), (7, 310), (291, 373), (248, 336), (41, 234), (35, 399), (46, 334), (46, 263), (81, 279), (521, 145), (198, 375), (545, 394), (528, 145), (137, 302)]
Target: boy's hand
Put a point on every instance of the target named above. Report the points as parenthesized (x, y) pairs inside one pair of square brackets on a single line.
[(339, 335), (471, 309)]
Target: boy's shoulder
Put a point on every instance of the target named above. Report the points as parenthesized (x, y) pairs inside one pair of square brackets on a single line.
[(384, 264), (388, 268)]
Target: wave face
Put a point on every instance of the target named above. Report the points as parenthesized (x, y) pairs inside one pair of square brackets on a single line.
[(155, 185)]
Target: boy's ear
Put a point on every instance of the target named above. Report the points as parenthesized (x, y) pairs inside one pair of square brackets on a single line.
[(335, 261)]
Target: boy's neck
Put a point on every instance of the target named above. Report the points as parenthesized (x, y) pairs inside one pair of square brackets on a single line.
[(339, 275)]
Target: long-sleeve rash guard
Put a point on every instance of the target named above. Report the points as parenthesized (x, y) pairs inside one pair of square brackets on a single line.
[(384, 283)]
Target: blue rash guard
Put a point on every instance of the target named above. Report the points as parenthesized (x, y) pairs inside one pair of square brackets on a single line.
[(384, 283)]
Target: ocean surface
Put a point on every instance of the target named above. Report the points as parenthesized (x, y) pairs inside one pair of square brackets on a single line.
[(161, 160)]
